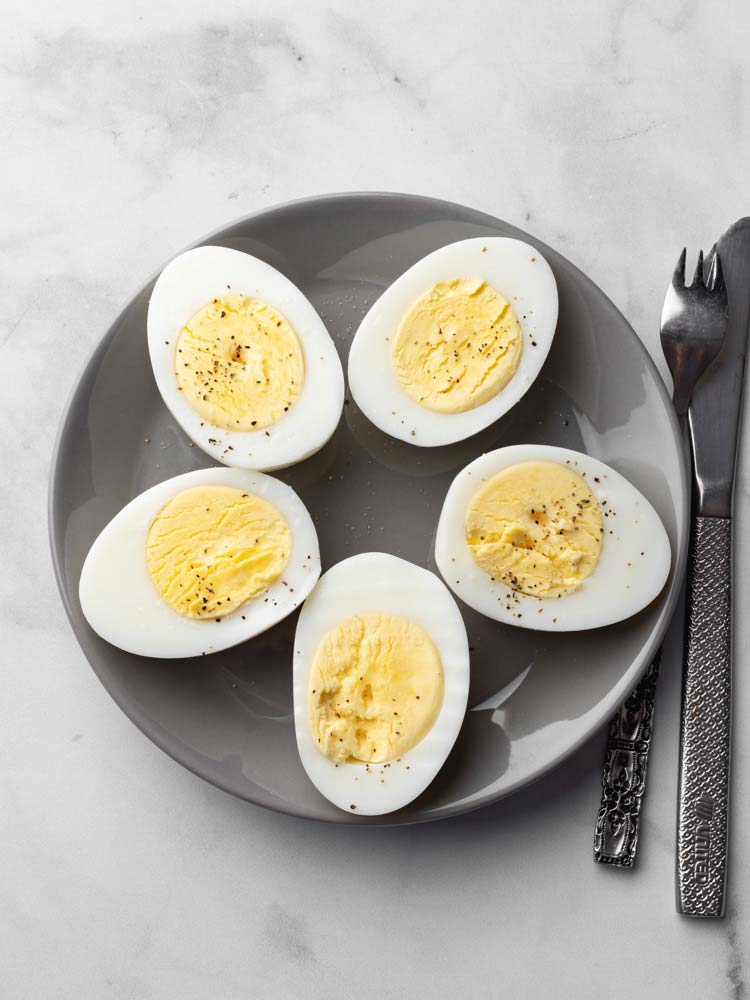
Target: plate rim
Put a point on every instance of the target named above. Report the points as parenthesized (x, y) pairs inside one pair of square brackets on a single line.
[(605, 708)]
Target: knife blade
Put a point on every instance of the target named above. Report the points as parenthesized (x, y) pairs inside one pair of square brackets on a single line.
[(714, 415)]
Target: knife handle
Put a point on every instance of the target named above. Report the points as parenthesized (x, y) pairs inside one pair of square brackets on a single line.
[(702, 814)]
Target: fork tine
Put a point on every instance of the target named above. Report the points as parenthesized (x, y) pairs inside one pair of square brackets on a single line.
[(708, 262), (678, 278), (716, 275), (698, 279)]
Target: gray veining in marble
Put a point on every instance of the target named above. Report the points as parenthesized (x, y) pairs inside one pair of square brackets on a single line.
[(617, 132)]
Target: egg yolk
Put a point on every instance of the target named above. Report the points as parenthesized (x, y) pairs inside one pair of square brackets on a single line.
[(458, 346), (537, 527), (376, 688), (239, 363), (211, 548)]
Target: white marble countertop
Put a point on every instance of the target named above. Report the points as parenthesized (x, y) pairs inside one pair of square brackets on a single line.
[(616, 132)]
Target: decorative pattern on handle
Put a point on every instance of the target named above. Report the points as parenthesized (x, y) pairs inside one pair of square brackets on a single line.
[(624, 774), (706, 724)]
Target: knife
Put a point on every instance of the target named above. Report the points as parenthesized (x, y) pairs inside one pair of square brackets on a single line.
[(705, 719)]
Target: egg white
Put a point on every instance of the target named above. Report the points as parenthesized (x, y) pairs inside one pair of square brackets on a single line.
[(121, 602), (518, 272), (376, 582), (623, 582), (187, 284)]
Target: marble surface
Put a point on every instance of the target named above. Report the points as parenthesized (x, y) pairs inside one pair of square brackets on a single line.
[(617, 132)]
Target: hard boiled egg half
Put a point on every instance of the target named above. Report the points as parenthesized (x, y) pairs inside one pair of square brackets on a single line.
[(242, 359), (551, 539), (455, 341), (199, 563), (381, 679)]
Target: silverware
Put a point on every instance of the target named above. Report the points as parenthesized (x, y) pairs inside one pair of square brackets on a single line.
[(693, 324), (624, 774), (705, 732), (691, 338)]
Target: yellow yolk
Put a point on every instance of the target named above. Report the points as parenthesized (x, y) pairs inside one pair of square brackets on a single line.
[(239, 363), (537, 527), (211, 548), (376, 688), (458, 346)]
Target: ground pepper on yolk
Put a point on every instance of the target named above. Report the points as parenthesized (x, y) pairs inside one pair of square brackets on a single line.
[(211, 548), (458, 346), (376, 688), (239, 363), (537, 527)]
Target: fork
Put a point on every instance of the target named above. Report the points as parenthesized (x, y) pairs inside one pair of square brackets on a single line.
[(693, 324)]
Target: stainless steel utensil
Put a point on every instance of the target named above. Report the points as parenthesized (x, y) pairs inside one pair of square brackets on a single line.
[(692, 330), (624, 774), (714, 415), (693, 324)]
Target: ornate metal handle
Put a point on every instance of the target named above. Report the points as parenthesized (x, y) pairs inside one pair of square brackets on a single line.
[(624, 774), (706, 723)]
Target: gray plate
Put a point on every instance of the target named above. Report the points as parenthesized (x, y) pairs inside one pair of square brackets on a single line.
[(534, 696)]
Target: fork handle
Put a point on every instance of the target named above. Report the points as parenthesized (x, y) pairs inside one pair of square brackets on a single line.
[(624, 774), (702, 818)]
